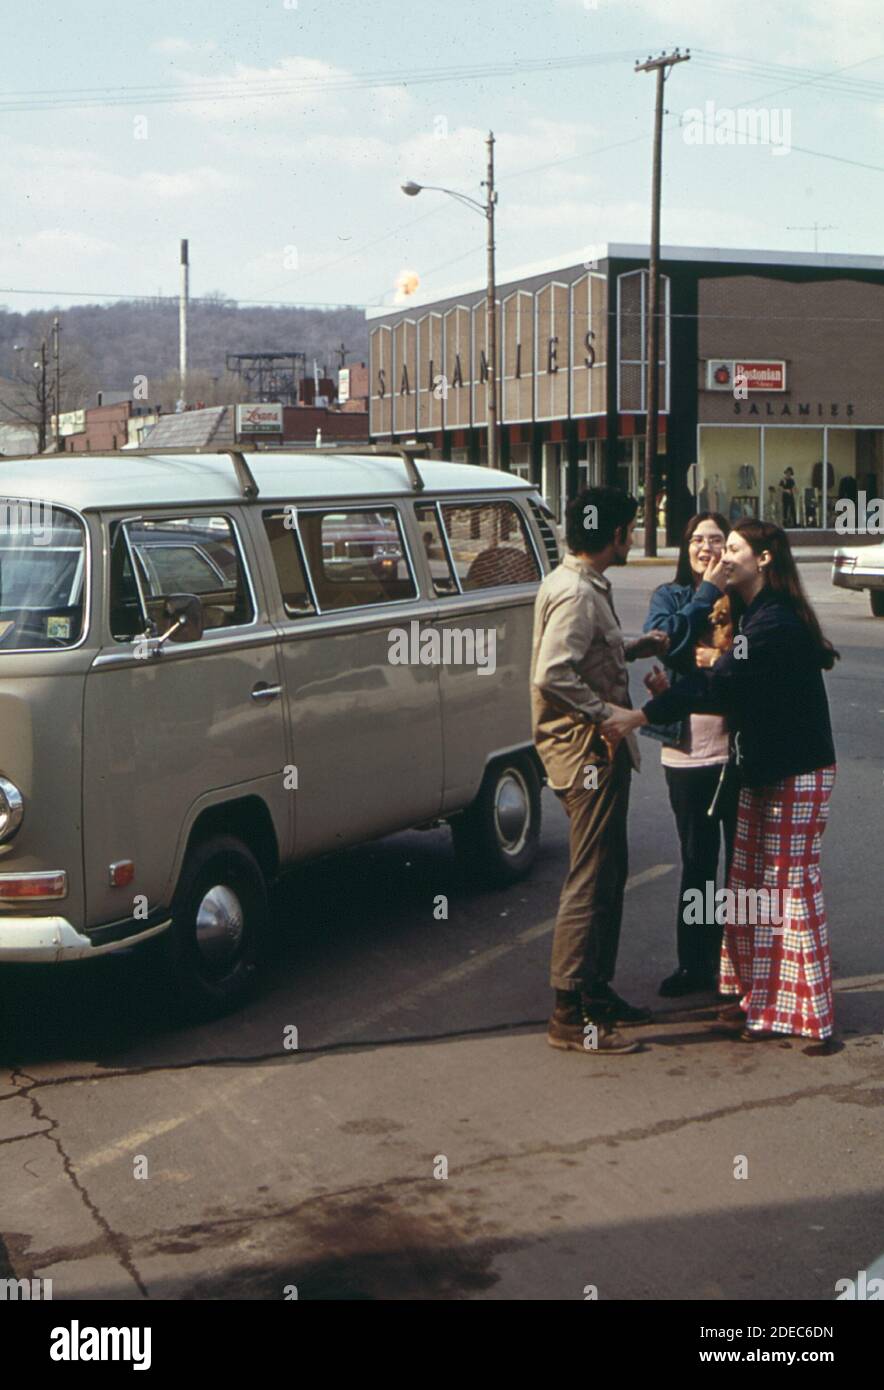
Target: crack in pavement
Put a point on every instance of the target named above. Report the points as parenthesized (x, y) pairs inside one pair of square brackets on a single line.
[(119, 1244), (288, 1057), (398, 1183)]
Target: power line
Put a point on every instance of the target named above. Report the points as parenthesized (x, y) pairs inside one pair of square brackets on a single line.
[(233, 89), (161, 299)]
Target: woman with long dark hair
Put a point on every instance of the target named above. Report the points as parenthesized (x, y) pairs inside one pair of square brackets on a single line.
[(695, 754), (775, 956)]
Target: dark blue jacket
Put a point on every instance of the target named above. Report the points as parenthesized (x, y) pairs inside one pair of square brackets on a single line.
[(682, 612), (773, 695)]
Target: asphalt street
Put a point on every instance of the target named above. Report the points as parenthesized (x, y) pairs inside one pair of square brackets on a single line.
[(423, 1141)]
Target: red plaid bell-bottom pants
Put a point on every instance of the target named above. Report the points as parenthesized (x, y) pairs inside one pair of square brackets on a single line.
[(780, 964)]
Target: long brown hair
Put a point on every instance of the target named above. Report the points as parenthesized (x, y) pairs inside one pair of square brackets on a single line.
[(782, 578), (683, 572)]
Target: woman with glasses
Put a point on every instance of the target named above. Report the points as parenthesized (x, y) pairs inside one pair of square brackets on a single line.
[(696, 750), (775, 958)]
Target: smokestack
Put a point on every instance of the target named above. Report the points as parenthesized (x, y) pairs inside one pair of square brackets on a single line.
[(182, 326)]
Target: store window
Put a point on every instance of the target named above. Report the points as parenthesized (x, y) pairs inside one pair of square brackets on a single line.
[(730, 479), (520, 461), (794, 477), (856, 459)]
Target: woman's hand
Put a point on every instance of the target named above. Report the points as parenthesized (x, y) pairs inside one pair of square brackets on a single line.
[(706, 657), (657, 681), (715, 573)]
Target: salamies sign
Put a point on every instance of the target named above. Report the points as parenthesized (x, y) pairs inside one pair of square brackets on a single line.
[(724, 374)]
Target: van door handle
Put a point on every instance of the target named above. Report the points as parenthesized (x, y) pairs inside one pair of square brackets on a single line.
[(263, 691)]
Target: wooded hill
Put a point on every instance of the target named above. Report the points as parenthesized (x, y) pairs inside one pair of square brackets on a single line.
[(112, 344)]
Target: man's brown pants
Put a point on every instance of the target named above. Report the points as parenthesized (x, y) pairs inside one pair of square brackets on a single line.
[(587, 934)]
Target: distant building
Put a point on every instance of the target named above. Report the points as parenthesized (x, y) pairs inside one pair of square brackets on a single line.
[(353, 386), (770, 399), (257, 425)]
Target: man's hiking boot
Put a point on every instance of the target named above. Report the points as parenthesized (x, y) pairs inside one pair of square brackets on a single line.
[(573, 1028)]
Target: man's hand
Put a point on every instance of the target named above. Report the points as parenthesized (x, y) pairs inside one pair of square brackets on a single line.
[(715, 573), (657, 681), (651, 644), (619, 723)]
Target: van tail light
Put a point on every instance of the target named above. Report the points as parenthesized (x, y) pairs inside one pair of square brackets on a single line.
[(16, 888), (121, 874)]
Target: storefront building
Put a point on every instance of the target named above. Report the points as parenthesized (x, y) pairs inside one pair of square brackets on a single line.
[(771, 385)]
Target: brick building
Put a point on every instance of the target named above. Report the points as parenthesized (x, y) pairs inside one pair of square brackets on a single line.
[(770, 379)]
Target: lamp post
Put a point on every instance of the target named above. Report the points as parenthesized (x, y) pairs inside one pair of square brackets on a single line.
[(486, 210)]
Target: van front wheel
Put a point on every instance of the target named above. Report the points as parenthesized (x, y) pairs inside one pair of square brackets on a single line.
[(877, 598), (498, 836), (219, 918)]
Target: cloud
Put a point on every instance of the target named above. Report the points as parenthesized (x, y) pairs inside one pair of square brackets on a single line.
[(295, 87), (176, 45)]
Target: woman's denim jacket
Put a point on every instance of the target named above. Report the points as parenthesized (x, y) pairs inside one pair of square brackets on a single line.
[(682, 612)]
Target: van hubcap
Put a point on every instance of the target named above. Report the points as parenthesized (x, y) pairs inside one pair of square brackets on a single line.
[(220, 923), (512, 811)]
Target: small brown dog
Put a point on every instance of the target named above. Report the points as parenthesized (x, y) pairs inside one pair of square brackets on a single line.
[(722, 622)]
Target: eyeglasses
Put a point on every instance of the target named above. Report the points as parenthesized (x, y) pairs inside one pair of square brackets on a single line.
[(713, 542)]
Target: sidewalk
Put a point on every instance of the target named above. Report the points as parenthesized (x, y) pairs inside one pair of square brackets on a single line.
[(668, 554)]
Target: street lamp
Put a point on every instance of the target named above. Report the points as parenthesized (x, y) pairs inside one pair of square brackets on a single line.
[(486, 210)]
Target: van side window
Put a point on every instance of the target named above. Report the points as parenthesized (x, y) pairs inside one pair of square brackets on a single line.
[(441, 572), (355, 558), (288, 562), (178, 555), (489, 544)]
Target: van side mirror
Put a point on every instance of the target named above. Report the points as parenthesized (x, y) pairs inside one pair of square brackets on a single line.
[(186, 618)]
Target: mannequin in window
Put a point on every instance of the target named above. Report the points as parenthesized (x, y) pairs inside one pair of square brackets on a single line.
[(787, 487)]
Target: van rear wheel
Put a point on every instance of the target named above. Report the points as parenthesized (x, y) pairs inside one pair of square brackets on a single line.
[(497, 838), (877, 599), (219, 922)]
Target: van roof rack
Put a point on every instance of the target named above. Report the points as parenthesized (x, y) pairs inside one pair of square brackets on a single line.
[(244, 475)]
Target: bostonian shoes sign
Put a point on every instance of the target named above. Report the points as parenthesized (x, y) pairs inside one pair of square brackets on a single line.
[(726, 374)]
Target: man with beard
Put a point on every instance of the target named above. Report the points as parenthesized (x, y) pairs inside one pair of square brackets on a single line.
[(578, 681)]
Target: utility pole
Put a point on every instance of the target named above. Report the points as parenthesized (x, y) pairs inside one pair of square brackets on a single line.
[(342, 353), (41, 365), (490, 202), (182, 326), (56, 358), (661, 66)]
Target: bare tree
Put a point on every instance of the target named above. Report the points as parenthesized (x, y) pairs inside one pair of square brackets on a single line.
[(28, 397)]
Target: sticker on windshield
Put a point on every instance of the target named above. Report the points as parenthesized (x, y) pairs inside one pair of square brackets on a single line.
[(58, 627)]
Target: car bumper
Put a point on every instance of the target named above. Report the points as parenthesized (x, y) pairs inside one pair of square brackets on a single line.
[(53, 939), (846, 579), (857, 579)]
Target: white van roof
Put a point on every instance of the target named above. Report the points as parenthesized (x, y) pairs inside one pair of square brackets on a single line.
[(126, 479)]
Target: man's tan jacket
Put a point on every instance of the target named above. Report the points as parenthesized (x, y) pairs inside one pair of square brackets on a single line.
[(578, 670)]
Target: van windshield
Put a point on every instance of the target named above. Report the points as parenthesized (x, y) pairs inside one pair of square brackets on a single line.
[(42, 569)]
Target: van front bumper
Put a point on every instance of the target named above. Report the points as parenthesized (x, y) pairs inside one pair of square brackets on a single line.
[(53, 939)]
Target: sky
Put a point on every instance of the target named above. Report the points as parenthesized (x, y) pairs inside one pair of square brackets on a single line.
[(275, 135)]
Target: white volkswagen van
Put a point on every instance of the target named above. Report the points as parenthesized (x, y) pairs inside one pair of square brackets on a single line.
[(213, 665)]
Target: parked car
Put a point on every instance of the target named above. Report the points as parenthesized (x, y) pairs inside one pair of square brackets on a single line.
[(197, 688), (861, 567)]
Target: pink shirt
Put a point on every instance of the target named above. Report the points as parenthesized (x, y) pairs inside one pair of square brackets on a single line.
[(704, 743)]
